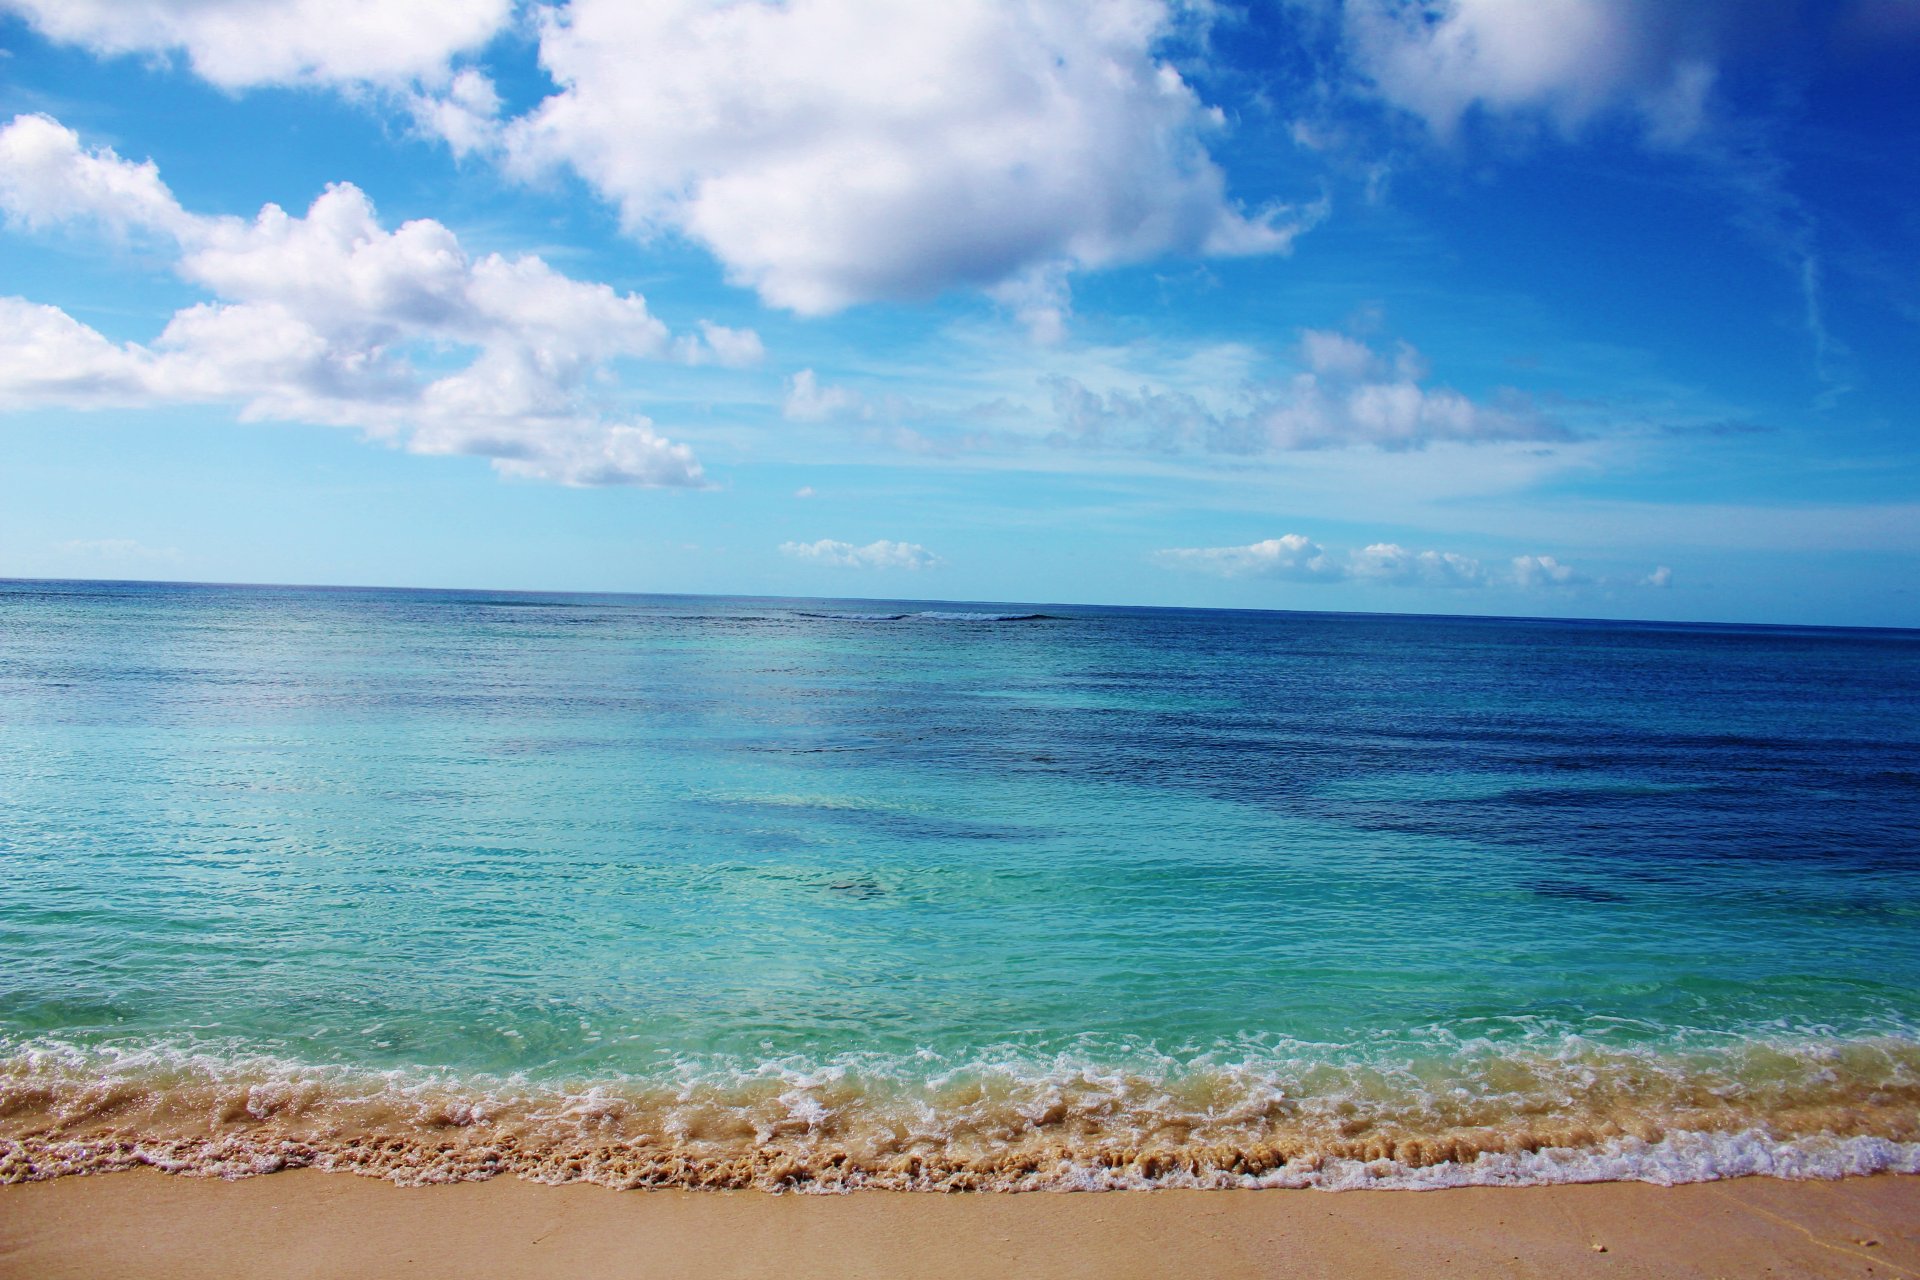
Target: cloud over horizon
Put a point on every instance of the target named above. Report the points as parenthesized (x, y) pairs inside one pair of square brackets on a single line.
[(881, 554), (1294, 557)]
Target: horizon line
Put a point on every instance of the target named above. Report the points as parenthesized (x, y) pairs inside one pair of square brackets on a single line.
[(6, 580)]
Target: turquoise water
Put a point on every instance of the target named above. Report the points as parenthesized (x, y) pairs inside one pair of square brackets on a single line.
[(775, 880)]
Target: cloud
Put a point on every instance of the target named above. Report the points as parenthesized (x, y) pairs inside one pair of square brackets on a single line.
[(1545, 571), (1565, 60), (808, 400), (466, 114), (875, 555), (1660, 577), (46, 180), (832, 152), (1345, 395), (48, 357), (117, 549), (717, 344), (1041, 299), (1393, 565), (398, 52), (240, 44), (320, 318), (1295, 557)]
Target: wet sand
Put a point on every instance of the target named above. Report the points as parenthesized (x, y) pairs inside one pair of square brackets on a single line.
[(307, 1224)]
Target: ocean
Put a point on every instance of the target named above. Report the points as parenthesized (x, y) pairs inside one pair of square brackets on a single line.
[(820, 895)]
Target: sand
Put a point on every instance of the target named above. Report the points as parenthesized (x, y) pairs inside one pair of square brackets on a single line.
[(302, 1223)]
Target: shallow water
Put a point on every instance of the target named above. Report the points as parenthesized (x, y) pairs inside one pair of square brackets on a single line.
[(779, 892)]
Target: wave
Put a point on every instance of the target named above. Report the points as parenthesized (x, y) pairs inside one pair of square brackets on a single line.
[(853, 617), (1576, 1112), (934, 615)]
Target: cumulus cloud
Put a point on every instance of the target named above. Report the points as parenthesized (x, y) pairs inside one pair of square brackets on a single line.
[(46, 179), (400, 52), (1394, 565), (48, 357), (875, 555), (319, 318), (1545, 571), (1294, 557), (1345, 394), (238, 44), (1565, 60), (831, 152), (1297, 558)]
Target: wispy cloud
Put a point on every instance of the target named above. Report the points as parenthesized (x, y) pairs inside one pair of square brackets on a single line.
[(875, 555), (1294, 557), (117, 550), (1345, 394)]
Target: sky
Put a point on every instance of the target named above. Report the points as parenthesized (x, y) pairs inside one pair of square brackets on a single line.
[(1585, 308)]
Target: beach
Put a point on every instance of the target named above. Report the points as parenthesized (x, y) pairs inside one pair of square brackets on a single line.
[(300, 1224)]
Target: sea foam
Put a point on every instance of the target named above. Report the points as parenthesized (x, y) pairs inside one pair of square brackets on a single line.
[(1300, 1116)]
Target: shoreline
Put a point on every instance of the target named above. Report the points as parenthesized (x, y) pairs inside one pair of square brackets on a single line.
[(1557, 1109), (301, 1223)]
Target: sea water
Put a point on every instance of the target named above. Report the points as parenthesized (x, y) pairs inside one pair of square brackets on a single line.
[(820, 894)]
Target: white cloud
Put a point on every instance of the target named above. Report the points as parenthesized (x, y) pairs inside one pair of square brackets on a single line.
[(466, 114), (1394, 565), (875, 555), (404, 51), (46, 179), (46, 356), (1297, 558), (1346, 395), (319, 318), (1565, 60), (809, 400), (1545, 571), (1330, 354), (1041, 299), (1294, 557), (238, 44), (717, 344), (1660, 577), (830, 152)]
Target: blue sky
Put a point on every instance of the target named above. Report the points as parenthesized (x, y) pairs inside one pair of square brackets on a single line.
[(1547, 307)]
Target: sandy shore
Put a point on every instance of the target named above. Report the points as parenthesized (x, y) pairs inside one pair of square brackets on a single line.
[(302, 1224)]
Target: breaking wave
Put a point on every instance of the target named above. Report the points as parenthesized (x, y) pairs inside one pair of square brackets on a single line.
[(1287, 1116)]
